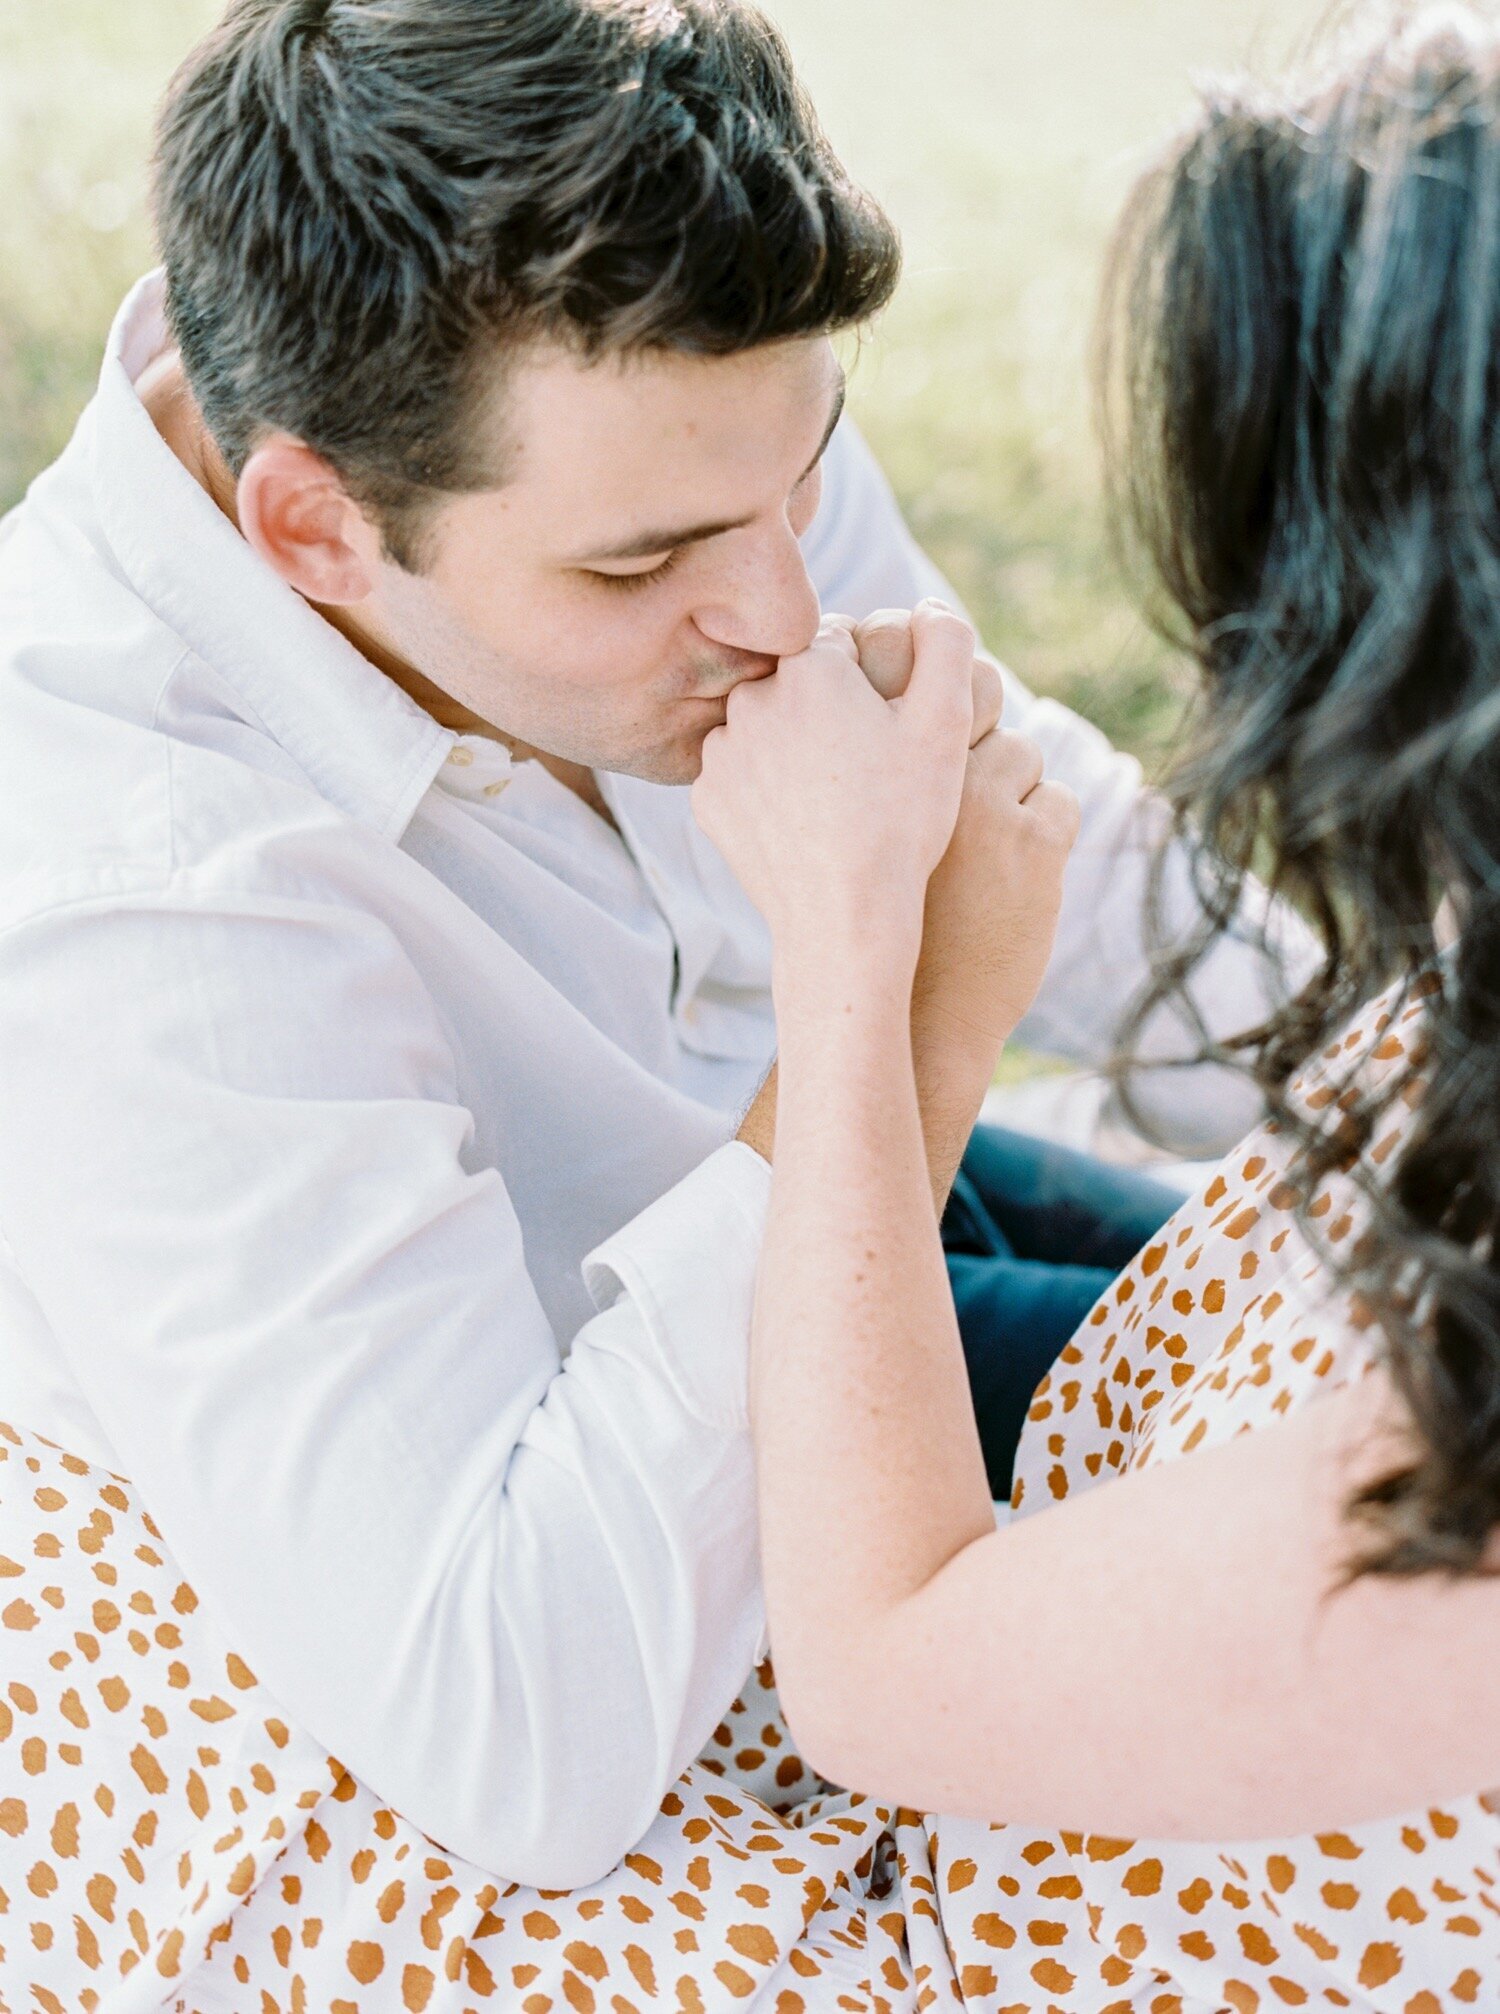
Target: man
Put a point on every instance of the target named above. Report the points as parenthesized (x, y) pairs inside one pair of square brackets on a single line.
[(376, 1022)]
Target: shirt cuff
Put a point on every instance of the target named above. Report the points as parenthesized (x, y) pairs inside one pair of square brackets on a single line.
[(688, 1264)]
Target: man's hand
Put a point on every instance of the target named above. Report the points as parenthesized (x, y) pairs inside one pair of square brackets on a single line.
[(992, 905)]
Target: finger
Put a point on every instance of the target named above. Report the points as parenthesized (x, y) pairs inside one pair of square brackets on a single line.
[(940, 695), (1014, 762), (1058, 810), (886, 650), (838, 630), (989, 698)]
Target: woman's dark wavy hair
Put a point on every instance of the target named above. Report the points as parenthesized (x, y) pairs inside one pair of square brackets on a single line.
[(1302, 370)]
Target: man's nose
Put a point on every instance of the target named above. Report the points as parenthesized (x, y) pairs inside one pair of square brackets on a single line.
[(767, 603)]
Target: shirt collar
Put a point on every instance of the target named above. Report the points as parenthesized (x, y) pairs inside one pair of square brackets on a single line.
[(365, 744)]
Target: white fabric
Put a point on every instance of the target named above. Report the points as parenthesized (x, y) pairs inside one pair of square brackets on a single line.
[(333, 1045)]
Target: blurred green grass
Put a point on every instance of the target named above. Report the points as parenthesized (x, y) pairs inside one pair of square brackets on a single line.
[(1002, 136)]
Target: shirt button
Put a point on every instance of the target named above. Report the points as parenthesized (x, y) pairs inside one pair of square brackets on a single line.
[(460, 757), (494, 789)]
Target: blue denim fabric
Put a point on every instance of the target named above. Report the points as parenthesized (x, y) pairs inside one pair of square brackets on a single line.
[(1034, 1234)]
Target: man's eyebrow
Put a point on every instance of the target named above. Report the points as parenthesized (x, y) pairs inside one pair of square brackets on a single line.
[(668, 541)]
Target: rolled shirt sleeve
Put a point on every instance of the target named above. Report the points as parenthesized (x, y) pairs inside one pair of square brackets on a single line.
[(862, 556), (513, 1593)]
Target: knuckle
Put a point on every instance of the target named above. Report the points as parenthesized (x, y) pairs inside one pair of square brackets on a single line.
[(1058, 813), (940, 621), (882, 620)]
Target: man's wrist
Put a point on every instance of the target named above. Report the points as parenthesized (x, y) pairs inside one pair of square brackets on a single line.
[(955, 1065)]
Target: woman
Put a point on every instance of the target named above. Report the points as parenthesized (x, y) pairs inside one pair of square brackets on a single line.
[(1281, 1620)]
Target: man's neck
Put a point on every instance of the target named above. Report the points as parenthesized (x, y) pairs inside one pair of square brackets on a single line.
[(164, 392)]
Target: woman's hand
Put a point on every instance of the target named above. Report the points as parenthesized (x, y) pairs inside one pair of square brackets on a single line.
[(993, 904), (833, 805)]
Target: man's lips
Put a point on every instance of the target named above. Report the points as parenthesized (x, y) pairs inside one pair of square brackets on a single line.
[(743, 675)]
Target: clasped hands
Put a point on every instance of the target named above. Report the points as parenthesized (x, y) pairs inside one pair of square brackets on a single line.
[(875, 810)]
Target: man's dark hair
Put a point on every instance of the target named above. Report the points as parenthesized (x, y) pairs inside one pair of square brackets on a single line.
[(362, 203)]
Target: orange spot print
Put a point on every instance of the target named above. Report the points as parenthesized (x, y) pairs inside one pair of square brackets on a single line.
[(366, 1961), (416, 1988), (1047, 1933), (587, 1959), (1052, 1977), (994, 1931), (212, 1708), (18, 1614), (1380, 1963), (86, 1944), (1144, 1878), (752, 1941), (148, 1769), (1194, 1896), (1256, 1945), (392, 1897)]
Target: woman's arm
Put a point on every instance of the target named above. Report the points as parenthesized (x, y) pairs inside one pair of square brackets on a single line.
[(1164, 1656)]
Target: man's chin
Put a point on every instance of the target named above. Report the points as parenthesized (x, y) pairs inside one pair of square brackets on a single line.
[(675, 762)]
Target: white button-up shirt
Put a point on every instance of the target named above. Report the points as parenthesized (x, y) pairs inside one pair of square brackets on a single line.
[(364, 1186)]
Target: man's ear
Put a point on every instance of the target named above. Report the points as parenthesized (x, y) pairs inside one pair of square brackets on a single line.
[(298, 516)]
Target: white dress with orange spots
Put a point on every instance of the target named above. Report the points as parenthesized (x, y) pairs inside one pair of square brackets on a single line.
[(169, 1841)]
